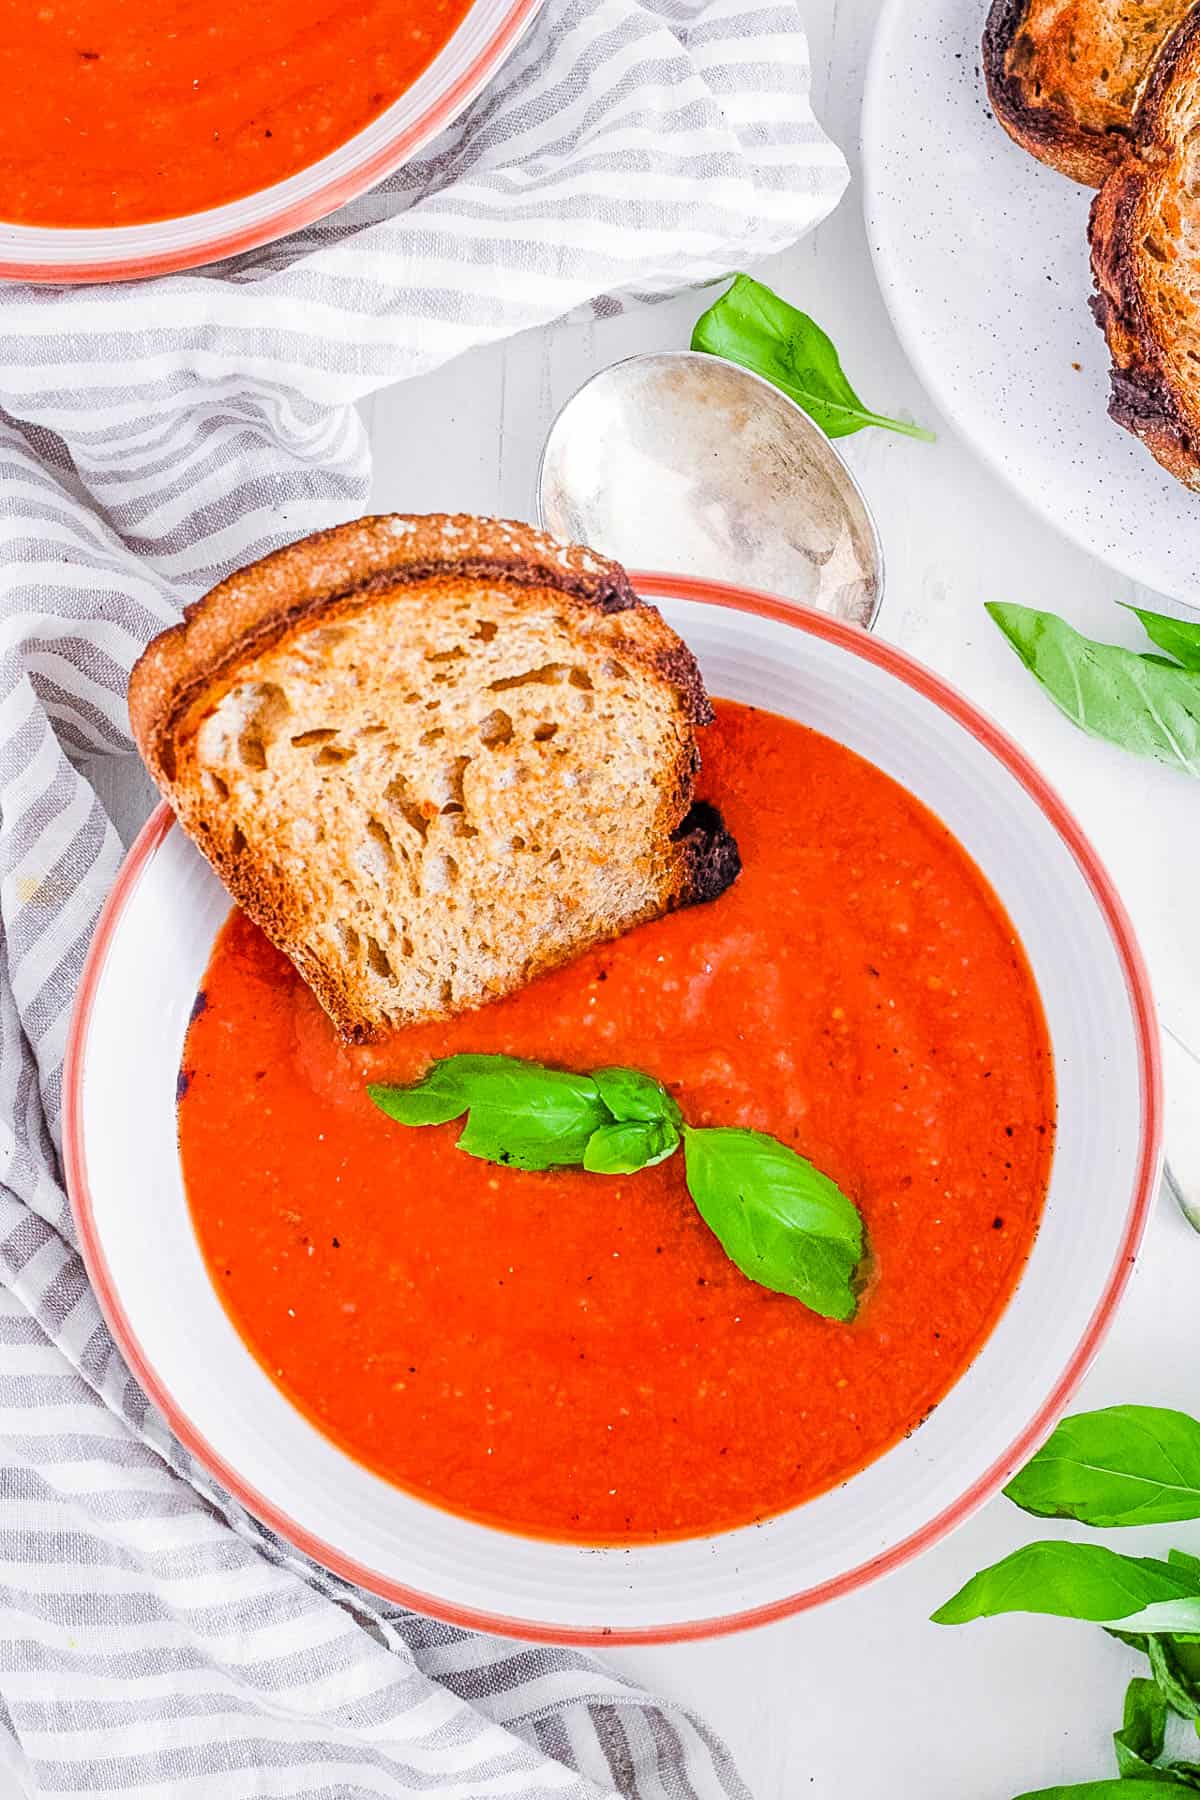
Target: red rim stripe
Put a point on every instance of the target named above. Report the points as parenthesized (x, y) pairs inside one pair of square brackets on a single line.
[(336, 192), (931, 687)]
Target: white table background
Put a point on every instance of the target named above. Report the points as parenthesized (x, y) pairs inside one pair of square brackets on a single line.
[(865, 1698)]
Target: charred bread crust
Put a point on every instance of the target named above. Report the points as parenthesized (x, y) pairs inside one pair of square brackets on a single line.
[(1143, 398), (712, 861), (337, 571), (1050, 133)]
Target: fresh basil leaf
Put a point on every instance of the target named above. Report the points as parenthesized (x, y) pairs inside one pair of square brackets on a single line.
[(519, 1113), (1175, 1665), (450, 1085), (1178, 1618), (1133, 1768), (434, 1101), (1181, 637), (555, 1138), (530, 1117), (1073, 1581), (1139, 1743), (1123, 1465), (628, 1145), (753, 326), (628, 1094), (1150, 1787), (782, 1222), (1109, 692)]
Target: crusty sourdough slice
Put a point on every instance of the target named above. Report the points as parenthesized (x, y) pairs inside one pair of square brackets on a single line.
[(433, 757), (1064, 76), (1145, 238)]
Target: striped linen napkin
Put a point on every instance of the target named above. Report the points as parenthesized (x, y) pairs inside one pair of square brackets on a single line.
[(155, 1640)]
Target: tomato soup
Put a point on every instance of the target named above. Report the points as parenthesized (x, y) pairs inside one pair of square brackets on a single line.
[(117, 112), (573, 1355)]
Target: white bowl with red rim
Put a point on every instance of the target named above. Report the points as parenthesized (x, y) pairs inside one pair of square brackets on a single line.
[(145, 966), (461, 69)]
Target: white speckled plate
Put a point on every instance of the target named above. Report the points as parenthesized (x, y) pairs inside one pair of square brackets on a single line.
[(982, 256)]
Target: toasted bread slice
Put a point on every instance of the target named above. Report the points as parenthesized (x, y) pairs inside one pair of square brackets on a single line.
[(1145, 238), (432, 757), (1064, 76)]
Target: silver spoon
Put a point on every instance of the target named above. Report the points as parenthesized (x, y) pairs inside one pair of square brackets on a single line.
[(684, 462)]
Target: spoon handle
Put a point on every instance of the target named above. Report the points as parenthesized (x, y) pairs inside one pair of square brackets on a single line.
[(1181, 1067)]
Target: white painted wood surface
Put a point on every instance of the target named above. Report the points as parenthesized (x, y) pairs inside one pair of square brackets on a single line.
[(864, 1698)]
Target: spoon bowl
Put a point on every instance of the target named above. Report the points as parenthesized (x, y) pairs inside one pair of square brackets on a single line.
[(681, 461)]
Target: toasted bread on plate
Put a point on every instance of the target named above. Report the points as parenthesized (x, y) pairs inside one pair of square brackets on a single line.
[(1065, 76), (1145, 237), (433, 757)]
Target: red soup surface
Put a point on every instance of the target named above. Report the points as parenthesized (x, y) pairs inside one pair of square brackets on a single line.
[(121, 111), (573, 1355)]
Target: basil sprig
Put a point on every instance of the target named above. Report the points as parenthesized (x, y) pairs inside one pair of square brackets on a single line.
[(1122, 1465), (1141, 702), (1079, 1581), (785, 1224), (517, 1113), (750, 324)]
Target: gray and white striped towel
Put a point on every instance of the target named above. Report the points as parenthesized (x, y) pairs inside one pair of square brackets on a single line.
[(154, 1639)]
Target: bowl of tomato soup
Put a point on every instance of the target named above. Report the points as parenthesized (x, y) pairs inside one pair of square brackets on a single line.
[(140, 136), (548, 1404)]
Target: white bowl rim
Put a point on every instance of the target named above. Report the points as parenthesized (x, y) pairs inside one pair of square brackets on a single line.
[(139, 263), (898, 663)]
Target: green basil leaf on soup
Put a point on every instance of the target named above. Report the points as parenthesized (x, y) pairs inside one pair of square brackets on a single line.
[(1142, 705), (539, 1119), (1078, 1581), (628, 1094), (1122, 1465), (628, 1145), (518, 1113), (435, 1100), (782, 1222), (751, 325)]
